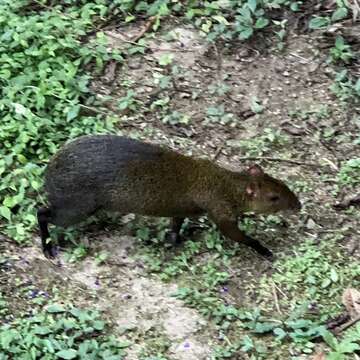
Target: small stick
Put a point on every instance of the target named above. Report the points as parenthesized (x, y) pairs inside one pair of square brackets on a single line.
[(353, 248), (217, 152), (300, 57), (347, 325), (219, 63), (279, 159), (276, 299), (120, 37), (145, 29), (280, 291), (326, 146), (95, 110)]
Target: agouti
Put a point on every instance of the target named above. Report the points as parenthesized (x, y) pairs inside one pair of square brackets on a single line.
[(114, 173)]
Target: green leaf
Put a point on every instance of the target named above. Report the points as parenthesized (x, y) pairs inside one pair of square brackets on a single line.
[(280, 333), (261, 23), (339, 42), (252, 5), (20, 109), (262, 328), (335, 356), (7, 337), (9, 201), (129, 18), (334, 275), (256, 107), (325, 283), (339, 14), (220, 19), (73, 112), (5, 212), (246, 34), (48, 344), (319, 22), (99, 325), (166, 59), (294, 6), (67, 354), (329, 338), (247, 343), (347, 346), (357, 86), (41, 330), (55, 308), (22, 159)]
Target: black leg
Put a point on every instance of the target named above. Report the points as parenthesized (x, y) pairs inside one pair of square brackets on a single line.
[(173, 236), (44, 215), (61, 239), (230, 229)]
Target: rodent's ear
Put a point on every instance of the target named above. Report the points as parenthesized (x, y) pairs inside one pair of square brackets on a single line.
[(255, 170)]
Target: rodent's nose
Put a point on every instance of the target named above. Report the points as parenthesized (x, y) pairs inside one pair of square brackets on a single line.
[(297, 205)]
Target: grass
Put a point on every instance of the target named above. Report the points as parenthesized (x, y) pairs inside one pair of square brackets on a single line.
[(49, 60)]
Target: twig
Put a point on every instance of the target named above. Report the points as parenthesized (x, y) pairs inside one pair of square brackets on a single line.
[(338, 321), (276, 299), (110, 71), (278, 159), (90, 108), (219, 63), (353, 248), (334, 166), (114, 263), (217, 152), (131, 42), (326, 146), (146, 28), (353, 201), (347, 325), (280, 291), (355, 9), (120, 37), (306, 61)]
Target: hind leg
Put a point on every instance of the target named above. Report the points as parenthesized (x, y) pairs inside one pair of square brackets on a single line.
[(68, 215), (44, 217)]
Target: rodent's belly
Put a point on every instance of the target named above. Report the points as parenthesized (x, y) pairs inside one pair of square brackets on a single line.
[(178, 212), (153, 206)]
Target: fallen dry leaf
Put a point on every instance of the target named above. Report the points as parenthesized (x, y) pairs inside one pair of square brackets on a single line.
[(351, 300)]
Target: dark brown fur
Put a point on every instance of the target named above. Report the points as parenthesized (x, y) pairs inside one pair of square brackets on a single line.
[(115, 173)]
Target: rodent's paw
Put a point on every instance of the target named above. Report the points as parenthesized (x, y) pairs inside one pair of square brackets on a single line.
[(50, 252), (266, 253), (173, 238), (269, 255)]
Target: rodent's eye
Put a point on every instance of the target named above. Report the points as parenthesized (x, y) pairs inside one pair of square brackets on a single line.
[(274, 198)]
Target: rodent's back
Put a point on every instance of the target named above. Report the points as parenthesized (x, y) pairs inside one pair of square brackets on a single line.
[(118, 173), (90, 161)]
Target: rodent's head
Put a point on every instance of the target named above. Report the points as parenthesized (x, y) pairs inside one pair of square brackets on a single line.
[(265, 194)]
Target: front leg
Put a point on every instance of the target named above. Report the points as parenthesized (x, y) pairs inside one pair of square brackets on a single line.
[(173, 236), (229, 228)]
